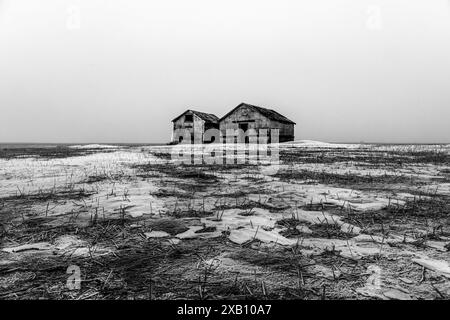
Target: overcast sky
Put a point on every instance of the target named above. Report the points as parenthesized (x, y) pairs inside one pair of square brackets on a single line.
[(120, 70)]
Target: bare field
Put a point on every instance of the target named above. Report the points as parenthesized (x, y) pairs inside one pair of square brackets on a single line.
[(330, 221)]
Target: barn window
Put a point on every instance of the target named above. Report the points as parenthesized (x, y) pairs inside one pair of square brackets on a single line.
[(188, 118)]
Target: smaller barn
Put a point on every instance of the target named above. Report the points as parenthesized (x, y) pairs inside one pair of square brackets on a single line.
[(196, 123), (246, 116)]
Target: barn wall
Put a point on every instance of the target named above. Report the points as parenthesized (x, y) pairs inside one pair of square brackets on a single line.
[(286, 130), (180, 124)]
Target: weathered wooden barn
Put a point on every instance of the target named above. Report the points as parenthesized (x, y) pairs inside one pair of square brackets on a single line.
[(196, 123), (246, 116)]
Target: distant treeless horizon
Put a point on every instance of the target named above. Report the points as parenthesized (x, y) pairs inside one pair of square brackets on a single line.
[(98, 71), (166, 142)]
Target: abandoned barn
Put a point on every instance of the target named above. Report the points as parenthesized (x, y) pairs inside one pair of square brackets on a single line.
[(252, 120), (246, 117), (195, 123)]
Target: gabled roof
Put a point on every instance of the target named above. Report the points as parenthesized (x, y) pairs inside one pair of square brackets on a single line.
[(208, 117), (269, 113)]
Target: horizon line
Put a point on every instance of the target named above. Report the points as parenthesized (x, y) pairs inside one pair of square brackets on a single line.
[(334, 142)]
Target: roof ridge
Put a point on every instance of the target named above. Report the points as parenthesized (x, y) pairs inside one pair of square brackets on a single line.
[(267, 109), (202, 112), (205, 116)]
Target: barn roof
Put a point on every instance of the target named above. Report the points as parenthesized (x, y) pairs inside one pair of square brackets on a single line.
[(269, 113), (208, 117)]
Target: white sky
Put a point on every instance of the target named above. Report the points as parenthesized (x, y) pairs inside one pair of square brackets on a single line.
[(120, 70)]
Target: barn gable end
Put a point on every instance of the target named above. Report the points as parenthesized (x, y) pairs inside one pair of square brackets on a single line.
[(196, 123), (246, 116)]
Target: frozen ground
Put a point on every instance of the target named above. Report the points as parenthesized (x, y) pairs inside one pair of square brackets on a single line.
[(342, 221)]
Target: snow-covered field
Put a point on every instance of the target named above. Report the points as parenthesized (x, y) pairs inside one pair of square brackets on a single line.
[(362, 221)]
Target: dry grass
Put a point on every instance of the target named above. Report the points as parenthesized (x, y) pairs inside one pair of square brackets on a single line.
[(375, 155), (340, 179), (57, 152), (141, 268)]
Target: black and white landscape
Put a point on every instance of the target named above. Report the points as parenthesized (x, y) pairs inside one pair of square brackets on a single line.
[(210, 150)]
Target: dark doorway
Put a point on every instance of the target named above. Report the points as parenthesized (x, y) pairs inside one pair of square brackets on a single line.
[(243, 126), (180, 139)]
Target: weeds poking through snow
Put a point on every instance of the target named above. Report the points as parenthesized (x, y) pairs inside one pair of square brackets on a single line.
[(103, 206)]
